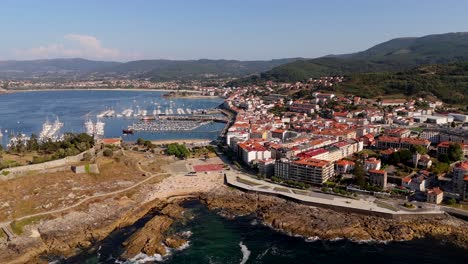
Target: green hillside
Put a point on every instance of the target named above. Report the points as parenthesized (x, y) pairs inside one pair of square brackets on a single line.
[(449, 82), (394, 55)]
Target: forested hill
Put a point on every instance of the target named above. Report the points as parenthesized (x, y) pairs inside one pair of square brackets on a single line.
[(158, 70), (448, 82), (394, 55)]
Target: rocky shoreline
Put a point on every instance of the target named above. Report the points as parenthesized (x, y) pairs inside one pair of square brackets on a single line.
[(317, 223), (65, 242), (279, 214)]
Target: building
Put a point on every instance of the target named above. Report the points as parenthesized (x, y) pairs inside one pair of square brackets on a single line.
[(385, 142), (372, 164), (307, 170), (465, 189), (422, 161), (435, 195), (378, 178), (344, 166), (443, 148), (112, 141), (418, 184), (398, 132), (250, 151), (266, 167), (460, 171), (392, 102)]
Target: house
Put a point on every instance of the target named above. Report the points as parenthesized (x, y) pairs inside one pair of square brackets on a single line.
[(368, 140), (435, 195), (250, 151), (112, 141), (418, 184), (266, 167), (372, 164), (459, 173), (344, 166), (405, 182), (378, 178), (443, 148), (422, 161)]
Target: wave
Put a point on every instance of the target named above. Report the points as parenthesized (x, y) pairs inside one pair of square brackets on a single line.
[(260, 256), (186, 234), (143, 258), (245, 253), (184, 246), (312, 239)]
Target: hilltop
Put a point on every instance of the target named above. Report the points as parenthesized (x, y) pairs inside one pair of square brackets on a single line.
[(447, 82), (394, 55)]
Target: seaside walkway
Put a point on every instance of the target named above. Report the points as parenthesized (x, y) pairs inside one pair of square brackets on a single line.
[(370, 206)]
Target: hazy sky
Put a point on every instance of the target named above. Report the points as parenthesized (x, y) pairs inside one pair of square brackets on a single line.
[(215, 29)]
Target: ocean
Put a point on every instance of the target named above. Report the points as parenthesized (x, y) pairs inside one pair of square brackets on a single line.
[(245, 240), (25, 112)]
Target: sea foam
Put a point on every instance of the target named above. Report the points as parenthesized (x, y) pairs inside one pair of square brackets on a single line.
[(245, 253)]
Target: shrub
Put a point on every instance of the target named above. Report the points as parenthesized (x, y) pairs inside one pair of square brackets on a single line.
[(87, 156), (108, 153), (5, 173), (451, 201)]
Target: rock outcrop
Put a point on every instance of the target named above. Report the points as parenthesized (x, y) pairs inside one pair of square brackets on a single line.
[(152, 238), (308, 221)]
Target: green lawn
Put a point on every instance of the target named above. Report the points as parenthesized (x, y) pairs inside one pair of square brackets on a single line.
[(244, 181), (18, 226)]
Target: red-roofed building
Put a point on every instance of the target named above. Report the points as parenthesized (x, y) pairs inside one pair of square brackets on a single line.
[(250, 151), (385, 142), (443, 147), (435, 195), (112, 141), (307, 170), (460, 171), (344, 166), (378, 178), (368, 140), (372, 164)]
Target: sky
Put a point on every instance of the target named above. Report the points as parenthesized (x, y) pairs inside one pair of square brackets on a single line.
[(121, 30)]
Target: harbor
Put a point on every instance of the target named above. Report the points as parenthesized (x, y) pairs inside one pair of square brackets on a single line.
[(108, 114)]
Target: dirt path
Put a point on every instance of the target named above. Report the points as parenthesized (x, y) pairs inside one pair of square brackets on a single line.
[(152, 176)]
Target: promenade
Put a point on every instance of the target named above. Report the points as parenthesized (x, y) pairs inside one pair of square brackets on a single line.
[(369, 205)]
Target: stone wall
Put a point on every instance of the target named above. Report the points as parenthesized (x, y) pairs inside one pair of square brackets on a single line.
[(16, 171)]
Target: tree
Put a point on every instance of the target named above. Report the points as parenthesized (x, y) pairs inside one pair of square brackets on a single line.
[(444, 158), (359, 173), (455, 152), (108, 152), (420, 149), (394, 158), (140, 141), (440, 167), (405, 155)]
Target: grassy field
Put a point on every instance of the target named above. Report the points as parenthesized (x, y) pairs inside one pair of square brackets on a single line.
[(385, 205), (18, 226), (244, 181), (38, 192), (279, 189)]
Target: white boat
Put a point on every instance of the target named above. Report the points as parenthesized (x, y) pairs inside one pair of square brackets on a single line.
[(99, 128), (89, 126)]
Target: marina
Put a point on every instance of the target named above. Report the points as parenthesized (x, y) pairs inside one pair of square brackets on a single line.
[(107, 114), (166, 125)]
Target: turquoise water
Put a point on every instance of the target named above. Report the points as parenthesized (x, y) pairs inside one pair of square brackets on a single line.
[(218, 240), (25, 112)]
